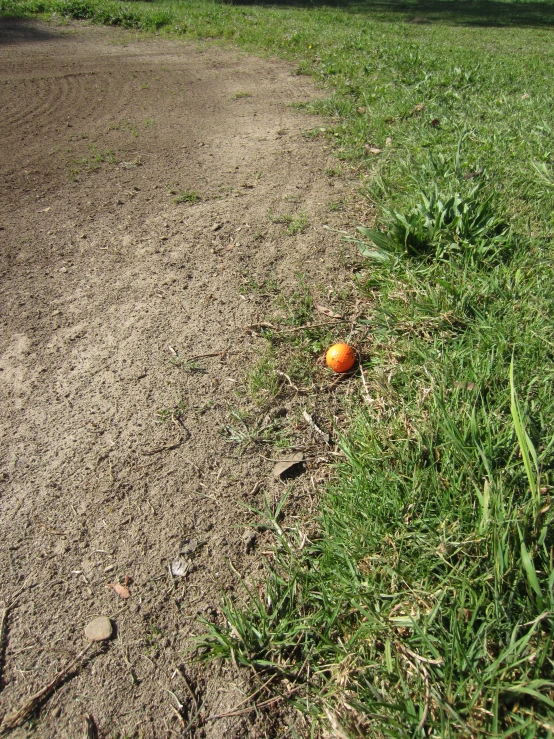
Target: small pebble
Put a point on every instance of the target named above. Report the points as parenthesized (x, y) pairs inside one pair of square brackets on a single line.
[(99, 630), (249, 539)]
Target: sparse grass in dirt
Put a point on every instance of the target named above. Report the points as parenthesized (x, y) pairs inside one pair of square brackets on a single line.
[(187, 196), (263, 382), (129, 126), (244, 430), (296, 223), (171, 414), (424, 605), (93, 161)]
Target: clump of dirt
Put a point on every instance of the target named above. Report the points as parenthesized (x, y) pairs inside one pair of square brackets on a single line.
[(145, 182)]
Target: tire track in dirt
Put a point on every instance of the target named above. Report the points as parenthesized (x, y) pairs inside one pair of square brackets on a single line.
[(101, 272)]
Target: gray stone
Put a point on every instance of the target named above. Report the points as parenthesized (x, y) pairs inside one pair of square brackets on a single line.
[(99, 630)]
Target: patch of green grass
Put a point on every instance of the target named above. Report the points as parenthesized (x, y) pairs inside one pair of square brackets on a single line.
[(280, 218), (171, 414), (296, 224), (92, 161), (152, 638), (265, 288), (298, 306), (124, 126), (244, 431), (187, 196), (299, 338), (241, 95), (262, 381)]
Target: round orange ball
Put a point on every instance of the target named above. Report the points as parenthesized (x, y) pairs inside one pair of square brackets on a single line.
[(340, 357)]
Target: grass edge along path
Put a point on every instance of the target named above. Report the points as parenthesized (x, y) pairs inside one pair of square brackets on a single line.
[(425, 606)]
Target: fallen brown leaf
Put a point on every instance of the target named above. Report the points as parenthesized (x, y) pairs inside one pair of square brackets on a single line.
[(121, 590), (285, 464), (327, 311)]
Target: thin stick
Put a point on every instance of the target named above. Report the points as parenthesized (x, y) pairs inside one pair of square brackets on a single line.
[(13, 720), (315, 427), (427, 700), (256, 487), (418, 657), (90, 730), (168, 448), (298, 389), (368, 397), (209, 497), (263, 704), (9, 604), (249, 697), (181, 672)]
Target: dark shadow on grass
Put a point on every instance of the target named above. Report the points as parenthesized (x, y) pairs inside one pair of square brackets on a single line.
[(23, 31), (499, 13)]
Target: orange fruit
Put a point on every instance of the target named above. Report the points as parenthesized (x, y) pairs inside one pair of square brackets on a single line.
[(340, 357)]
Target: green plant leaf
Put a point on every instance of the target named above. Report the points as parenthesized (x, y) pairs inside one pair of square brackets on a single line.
[(527, 449), (529, 568)]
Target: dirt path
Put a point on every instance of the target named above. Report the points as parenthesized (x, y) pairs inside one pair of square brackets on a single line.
[(102, 272)]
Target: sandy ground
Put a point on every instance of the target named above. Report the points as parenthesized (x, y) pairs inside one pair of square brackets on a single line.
[(113, 462)]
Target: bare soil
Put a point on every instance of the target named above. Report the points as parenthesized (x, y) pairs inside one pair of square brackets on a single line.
[(113, 461)]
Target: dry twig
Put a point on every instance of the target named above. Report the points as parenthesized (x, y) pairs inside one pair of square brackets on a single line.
[(368, 397), (157, 450), (293, 386), (90, 730), (14, 719), (181, 672), (315, 427), (9, 604), (255, 707)]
